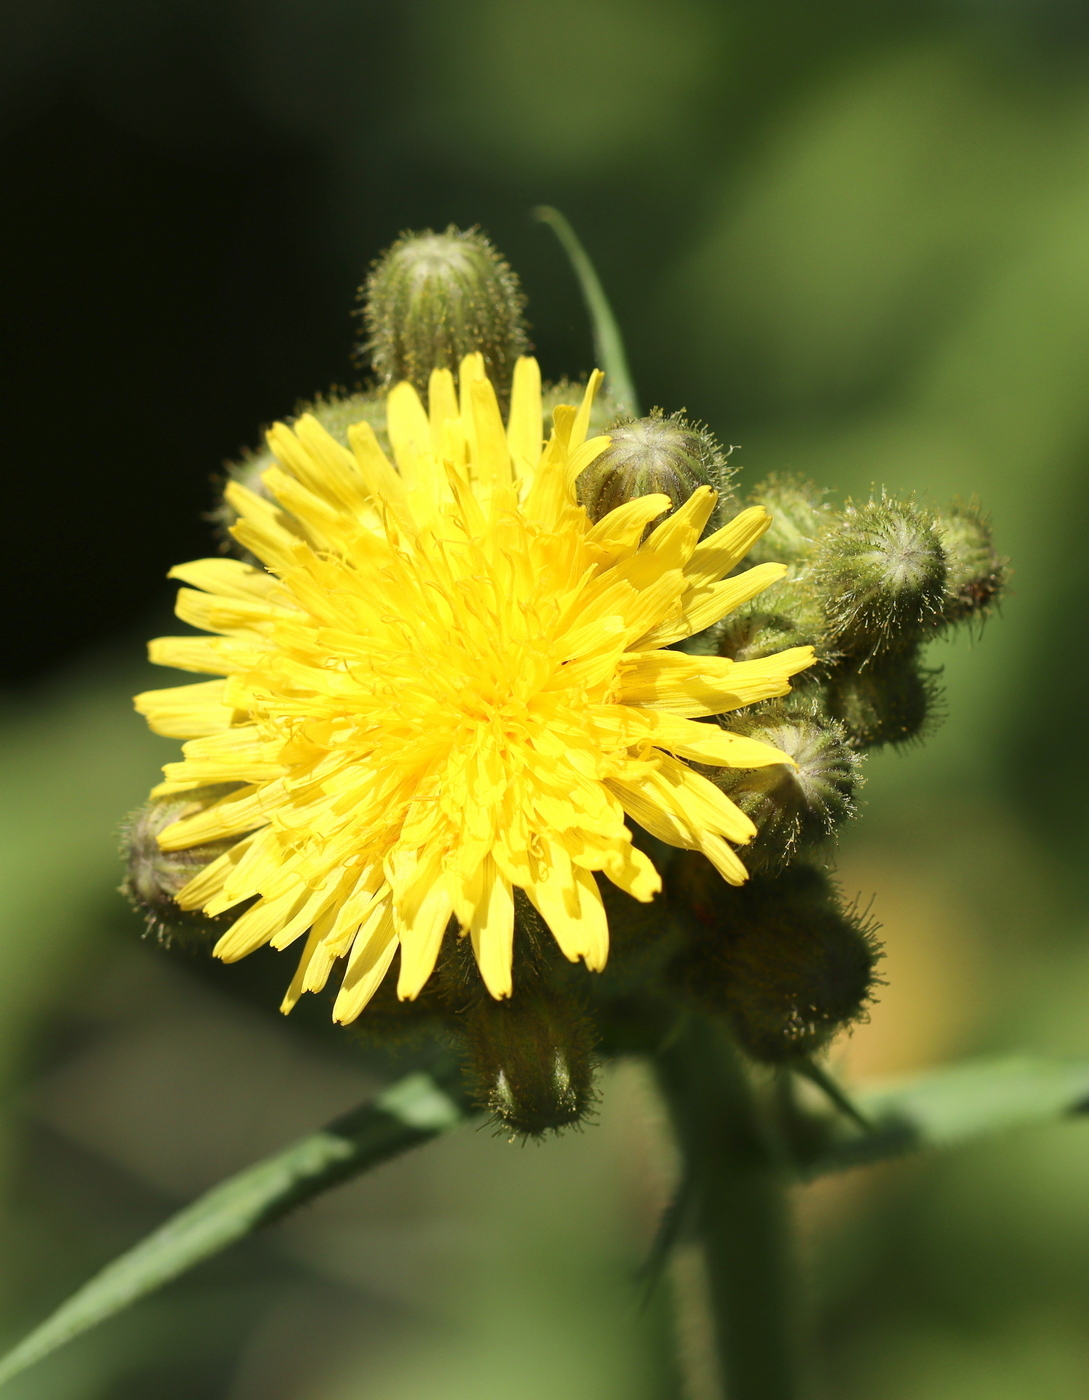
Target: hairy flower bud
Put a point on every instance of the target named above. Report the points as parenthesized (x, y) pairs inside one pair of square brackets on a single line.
[(784, 960), (533, 1059), (784, 615), (155, 876), (976, 571), (879, 573), (648, 456), (891, 700), (433, 298), (798, 513), (794, 808)]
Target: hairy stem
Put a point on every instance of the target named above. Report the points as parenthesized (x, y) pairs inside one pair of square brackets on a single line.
[(736, 1184)]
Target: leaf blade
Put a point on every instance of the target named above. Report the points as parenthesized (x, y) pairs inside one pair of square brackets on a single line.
[(408, 1113), (955, 1105)]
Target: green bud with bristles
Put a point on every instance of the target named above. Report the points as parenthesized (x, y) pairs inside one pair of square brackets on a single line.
[(976, 573), (891, 700), (782, 958), (879, 574), (154, 876), (433, 298), (651, 456), (532, 1059), (796, 809), (799, 513), (784, 615)]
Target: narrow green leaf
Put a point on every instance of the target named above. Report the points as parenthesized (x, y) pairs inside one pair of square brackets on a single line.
[(951, 1106), (608, 342), (409, 1112)]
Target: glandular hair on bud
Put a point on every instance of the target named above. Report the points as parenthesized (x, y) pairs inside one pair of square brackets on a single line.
[(651, 456), (799, 513), (879, 574), (433, 298), (795, 809), (153, 876), (787, 963), (892, 700), (532, 1059), (976, 572)]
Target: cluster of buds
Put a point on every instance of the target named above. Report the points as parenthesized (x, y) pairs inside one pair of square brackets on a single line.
[(783, 961)]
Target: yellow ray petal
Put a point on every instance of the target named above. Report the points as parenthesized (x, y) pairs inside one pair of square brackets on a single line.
[(704, 606), (524, 427), (706, 685), (725, 549), (410, 430), (569, 901), (492, 929), (383, 483), (186, 711), (493, 466), (442, 405), (228, 577), (257, 925), (581, 426), (372, 953)]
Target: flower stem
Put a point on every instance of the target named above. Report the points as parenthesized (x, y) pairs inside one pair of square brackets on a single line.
[(738, 1208)]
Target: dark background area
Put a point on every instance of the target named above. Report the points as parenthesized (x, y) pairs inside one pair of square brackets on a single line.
[(854, 238), (195, 190)]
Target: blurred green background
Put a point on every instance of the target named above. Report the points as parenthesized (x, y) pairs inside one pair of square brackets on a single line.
[(853, 237)]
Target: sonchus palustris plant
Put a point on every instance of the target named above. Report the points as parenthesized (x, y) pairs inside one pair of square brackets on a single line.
[(514, 723)]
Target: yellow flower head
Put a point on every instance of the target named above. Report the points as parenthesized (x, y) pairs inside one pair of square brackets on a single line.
[(446, 684)]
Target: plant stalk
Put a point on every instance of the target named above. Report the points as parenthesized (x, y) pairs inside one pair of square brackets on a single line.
[(736, 1186)]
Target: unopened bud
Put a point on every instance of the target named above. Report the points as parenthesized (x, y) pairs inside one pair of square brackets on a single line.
[(533, 1059), (891, 700), (155, 876), (795, 809), (603, 411), (786, 962), (799, 513), (879, 573), (650, 456), (976, 571), (433, 298), (784, 615)]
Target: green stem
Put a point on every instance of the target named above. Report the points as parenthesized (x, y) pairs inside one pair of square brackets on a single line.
[(608, 342), (737, 1186)]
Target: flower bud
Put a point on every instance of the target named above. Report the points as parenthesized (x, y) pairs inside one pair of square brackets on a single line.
[(433, 298), (604, 410), (795, 809), (798, 513), (785, 961), (532, 1058), (879, 573), (155, 876), (891, 700), (647, 456), (976, 571), (784, 615)]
